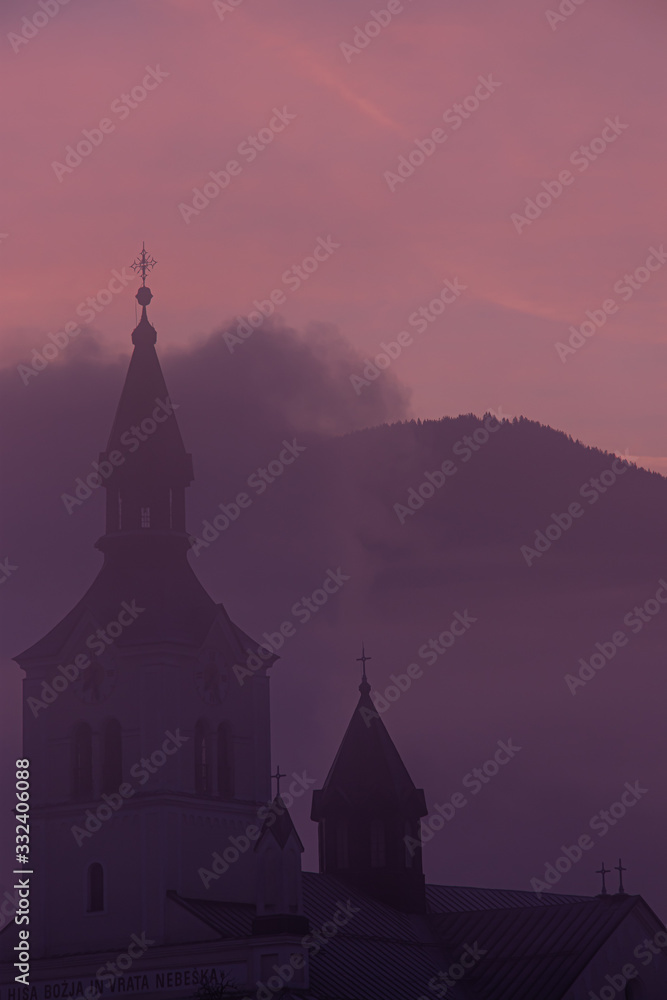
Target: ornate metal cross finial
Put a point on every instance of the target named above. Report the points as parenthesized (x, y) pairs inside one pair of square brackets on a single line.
[(277, 776), (143, 264), (620, 869), (363, 659), (603, 871)]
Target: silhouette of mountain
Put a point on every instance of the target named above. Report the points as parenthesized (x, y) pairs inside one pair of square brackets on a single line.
[(334, 509)]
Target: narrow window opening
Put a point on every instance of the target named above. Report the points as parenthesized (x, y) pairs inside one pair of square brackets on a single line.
[(95, 888), (202, 763), (342, 860), (145, 517), (225, 778), (82, 777), (409, 851), (378, 852), (112, 759)]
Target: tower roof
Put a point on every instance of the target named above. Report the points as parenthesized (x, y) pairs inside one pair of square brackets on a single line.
[(279, 824), (144, 563), (145, 429), (368, 771)]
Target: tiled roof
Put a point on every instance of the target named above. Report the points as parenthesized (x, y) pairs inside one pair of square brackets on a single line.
[(533, 952), (535, 947), (455, 898), (230, 920)]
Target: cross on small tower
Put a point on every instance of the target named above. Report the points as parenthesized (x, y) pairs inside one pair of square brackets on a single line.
[(277, 777), (143, 264), (603, 871), (363, 659), (620, 869)]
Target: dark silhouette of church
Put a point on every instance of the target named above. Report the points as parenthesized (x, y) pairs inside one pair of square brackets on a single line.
[(162, 866)]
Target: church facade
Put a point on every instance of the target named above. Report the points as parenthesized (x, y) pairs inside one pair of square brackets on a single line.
[(160, 863)]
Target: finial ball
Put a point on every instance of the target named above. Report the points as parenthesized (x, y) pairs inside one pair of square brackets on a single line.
[(144, 296)]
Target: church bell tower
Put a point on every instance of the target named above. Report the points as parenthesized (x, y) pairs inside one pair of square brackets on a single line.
[(368, 813), (147, 754)]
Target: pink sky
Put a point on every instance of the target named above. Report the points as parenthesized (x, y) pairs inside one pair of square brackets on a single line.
[(323, 176)]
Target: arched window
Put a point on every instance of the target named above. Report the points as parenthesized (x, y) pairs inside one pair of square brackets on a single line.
[(225, 764), (202, 760), (378, 848), (82, 771), (112, 757), (95, 888), (409, 840)]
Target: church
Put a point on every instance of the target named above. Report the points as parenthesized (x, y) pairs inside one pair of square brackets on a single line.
[(161, 864)]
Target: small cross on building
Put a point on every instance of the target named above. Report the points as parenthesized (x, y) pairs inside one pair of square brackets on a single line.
[(363, 659), (143, 264), (277, 776), (620, 869), (603, 871)]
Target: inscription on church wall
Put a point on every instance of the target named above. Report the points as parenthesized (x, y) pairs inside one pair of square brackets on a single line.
[(149, 983)]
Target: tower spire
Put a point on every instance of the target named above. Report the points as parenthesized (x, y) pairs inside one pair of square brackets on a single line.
[(368, 812), (143, 265), (364, 687), (146, 492)]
